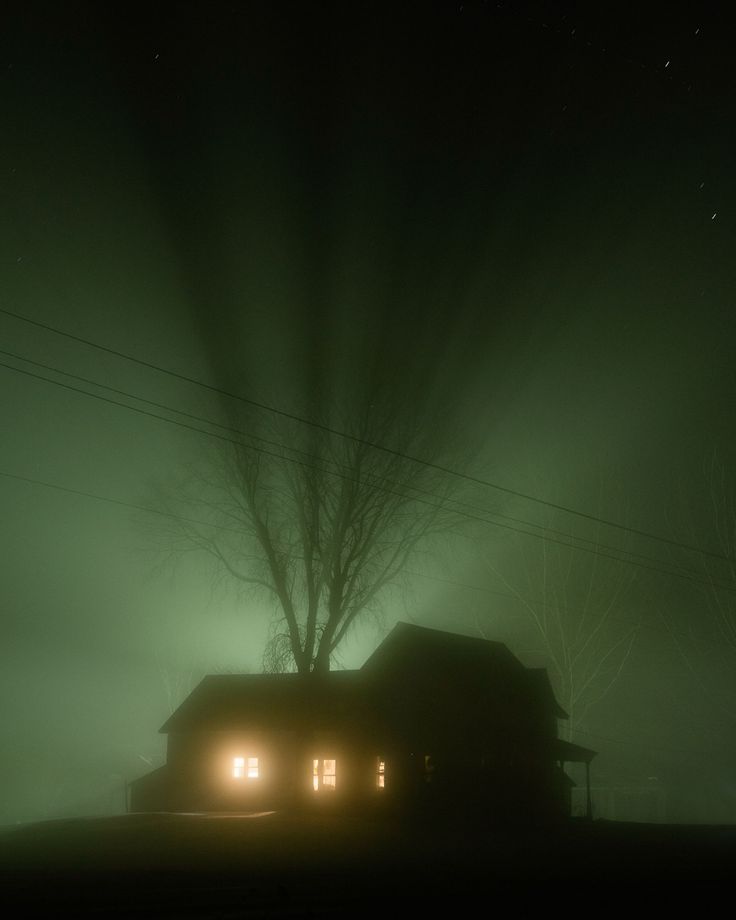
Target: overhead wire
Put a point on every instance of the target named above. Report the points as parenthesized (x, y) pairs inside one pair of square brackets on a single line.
[(311, 456), (372, 444), (616, 556), (435, 578)]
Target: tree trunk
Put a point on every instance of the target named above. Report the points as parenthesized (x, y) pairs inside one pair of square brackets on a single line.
[(321, 664)]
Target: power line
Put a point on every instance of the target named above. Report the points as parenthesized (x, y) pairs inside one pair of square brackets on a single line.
[(436, 578), (476, 480), (156, 405), (193, 428), (475, 517), (311, 456), (115, 501)]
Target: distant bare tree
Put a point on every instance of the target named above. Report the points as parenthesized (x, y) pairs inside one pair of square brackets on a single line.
[(574, 591), (318, 522), (178, 683), (720, 570), (706, 644)]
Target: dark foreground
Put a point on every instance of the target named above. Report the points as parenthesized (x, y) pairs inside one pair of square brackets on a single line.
[(278, 864)]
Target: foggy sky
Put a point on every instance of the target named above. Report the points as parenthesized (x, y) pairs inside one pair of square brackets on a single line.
[(519, 214)]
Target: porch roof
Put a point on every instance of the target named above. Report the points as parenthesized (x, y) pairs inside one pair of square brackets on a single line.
[(572, 753)]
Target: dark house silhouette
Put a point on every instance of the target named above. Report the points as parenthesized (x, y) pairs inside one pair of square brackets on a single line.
[(432, 719)]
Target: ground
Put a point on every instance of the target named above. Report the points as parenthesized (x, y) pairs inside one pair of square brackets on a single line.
[(307, 864)]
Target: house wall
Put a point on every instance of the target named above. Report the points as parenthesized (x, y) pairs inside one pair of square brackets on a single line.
[(200, 769), (498, 786)]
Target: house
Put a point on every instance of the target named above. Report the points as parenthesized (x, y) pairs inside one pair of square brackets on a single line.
[(431, 719)]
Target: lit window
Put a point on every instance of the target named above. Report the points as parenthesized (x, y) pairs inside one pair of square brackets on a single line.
[(239, 767), (328, 773), (381, 775), (324, 774)]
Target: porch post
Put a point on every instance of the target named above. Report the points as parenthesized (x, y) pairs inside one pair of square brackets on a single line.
[(588, 801)]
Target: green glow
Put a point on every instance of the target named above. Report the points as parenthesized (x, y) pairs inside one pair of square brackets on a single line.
[(508, 228)]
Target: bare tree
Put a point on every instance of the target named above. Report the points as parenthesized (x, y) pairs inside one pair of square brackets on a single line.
[(321, 523), (573, 588), (177, 683)]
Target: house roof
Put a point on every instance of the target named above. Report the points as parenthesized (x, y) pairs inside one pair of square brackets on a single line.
[(445, 670), (540, 679), (467, 668), (438, 648), (225, 701)]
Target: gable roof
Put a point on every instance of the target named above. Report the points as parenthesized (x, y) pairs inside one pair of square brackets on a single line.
[(436, 648), (445, 678)]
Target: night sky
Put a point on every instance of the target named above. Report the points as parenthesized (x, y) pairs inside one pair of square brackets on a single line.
[(518, 216)]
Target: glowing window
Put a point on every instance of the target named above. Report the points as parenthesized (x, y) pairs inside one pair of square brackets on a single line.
[(324, 774), (239, 767), (381, 774)]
